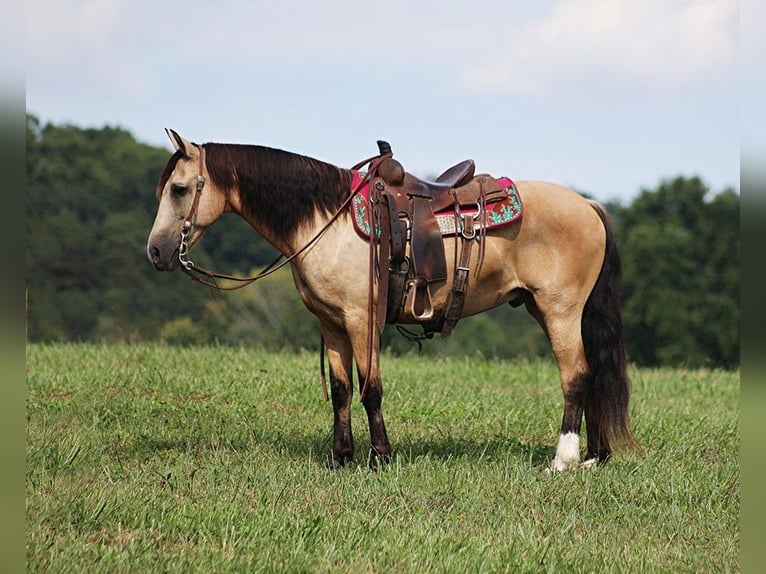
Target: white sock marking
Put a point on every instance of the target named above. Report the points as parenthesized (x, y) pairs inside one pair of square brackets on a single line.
[(567, 452)]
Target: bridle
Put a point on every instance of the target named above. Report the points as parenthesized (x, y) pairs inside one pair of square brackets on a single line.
[(208, 277), (183, 249)]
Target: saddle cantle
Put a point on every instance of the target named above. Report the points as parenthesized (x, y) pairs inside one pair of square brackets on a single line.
[(410, 216), (460, 174)]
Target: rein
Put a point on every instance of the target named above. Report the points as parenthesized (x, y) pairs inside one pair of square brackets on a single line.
[(208, 277)]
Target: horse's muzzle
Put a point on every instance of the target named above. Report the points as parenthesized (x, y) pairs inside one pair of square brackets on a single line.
[(162, 259)]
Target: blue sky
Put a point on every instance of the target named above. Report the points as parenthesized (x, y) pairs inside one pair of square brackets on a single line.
[(607, 96)]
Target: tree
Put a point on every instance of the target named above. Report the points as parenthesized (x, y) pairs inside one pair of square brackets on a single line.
[(91, 202), (680, 255)]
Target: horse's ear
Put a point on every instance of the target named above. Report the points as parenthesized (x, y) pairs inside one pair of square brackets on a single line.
[(179, 143)]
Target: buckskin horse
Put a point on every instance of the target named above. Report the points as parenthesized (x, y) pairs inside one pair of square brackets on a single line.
[(413, 239)]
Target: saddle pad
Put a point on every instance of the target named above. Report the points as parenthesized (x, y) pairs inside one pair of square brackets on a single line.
[(497, 213)]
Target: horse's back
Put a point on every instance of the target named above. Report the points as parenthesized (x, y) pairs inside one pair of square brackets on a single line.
[(552, 204)]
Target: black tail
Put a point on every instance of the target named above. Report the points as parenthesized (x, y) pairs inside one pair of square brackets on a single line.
[(608, 391)]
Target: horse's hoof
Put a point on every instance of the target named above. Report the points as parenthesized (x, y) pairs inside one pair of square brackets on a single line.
[(588, 463), (555, 468), (558, 465), (335, 462), (562, 465), (595, 460), (376, 460)]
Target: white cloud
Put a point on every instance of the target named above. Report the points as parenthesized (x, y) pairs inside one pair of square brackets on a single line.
[(493, 46), (657, 45), (90, 43)]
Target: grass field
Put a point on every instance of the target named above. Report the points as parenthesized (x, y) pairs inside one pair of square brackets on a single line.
[(160, 459)]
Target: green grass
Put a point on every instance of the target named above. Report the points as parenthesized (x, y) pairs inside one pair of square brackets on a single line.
[(160, 459)]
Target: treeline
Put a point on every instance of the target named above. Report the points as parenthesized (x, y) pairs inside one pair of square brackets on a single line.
[(91, 202)]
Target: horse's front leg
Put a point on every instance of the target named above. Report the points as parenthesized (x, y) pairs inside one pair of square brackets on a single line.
[(372, 397), (339, 355)]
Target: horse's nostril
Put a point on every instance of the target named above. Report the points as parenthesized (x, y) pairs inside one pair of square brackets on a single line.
[(154, 255)]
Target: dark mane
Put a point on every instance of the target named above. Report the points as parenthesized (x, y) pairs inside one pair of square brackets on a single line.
[(280, 189)]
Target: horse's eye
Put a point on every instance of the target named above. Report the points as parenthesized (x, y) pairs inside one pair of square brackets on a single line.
[(178, 190)]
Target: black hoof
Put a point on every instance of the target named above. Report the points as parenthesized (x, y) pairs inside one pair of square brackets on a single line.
[(336, 462), (376, 460), (593, 459)]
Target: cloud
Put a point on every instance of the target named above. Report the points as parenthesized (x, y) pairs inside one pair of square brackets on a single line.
[(657, 45), (85, 43), (139, 51)]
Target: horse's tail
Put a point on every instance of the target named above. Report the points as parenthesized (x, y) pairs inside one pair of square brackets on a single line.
[(608, 388)]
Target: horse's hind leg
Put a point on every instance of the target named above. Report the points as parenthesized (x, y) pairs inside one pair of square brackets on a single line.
[(563, 330), (339, 355), (574, 373)]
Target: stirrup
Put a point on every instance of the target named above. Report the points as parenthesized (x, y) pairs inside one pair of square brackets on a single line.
[(417, 301)]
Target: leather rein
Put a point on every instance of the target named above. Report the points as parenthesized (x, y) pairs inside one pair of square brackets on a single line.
[(208, 277)]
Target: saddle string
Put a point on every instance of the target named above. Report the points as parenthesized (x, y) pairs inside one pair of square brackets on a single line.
[(414, 337), (482, 228)]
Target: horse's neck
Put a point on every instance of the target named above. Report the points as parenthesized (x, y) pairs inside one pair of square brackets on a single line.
[(290, 198), (282, 244)]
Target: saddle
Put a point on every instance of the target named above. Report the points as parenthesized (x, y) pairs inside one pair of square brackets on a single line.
[(408, 211)]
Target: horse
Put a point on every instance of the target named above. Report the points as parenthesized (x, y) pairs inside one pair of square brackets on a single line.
[(559, 260)]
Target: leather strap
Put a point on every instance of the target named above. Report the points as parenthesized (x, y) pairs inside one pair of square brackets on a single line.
[(426, 242), (398, 232), (384, 256), (189, 221), (454, 307)]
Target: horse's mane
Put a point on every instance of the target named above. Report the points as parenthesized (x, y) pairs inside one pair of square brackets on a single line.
[(281, 189)]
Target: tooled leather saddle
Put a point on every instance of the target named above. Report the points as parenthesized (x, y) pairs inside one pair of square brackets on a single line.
[(406, 218)]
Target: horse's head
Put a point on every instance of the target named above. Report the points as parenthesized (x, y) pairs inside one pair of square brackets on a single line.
[(176, 192)]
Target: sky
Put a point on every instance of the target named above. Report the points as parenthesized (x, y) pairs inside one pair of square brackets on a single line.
[(606, 96)]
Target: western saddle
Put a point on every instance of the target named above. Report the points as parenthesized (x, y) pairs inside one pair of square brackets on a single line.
[(403, 209)]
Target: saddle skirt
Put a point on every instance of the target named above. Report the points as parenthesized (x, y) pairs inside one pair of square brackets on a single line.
[(497, 212)]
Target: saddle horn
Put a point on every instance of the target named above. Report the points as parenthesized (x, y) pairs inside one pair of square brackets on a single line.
[(384, 147), (390, 170)]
